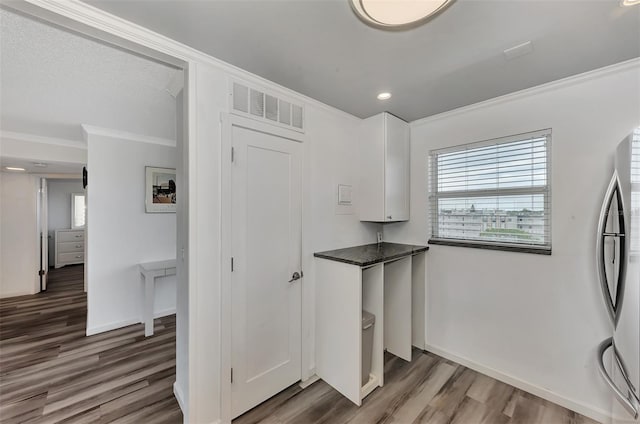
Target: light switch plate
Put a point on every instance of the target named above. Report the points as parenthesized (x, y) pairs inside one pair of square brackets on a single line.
[(344, 194)]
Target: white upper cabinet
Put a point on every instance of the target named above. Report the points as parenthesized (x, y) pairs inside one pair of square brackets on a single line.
[(384, 169)]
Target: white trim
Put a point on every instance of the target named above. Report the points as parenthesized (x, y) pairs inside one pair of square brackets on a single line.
[(581, 408), (20, 293), (114, 25), (309, 381), (127, 322), (112, 326), (539, 89), (164, 313), (32, 138), (88, 130), (228, 122), (178, 394)]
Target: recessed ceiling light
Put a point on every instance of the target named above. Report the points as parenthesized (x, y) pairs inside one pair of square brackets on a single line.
[(630, 2), (13, 168), (393, 14), (384, 96)]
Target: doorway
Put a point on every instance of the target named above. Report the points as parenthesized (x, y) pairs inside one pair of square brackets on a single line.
[(266, 277)]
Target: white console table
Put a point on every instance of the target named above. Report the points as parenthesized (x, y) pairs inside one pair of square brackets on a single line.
[(149, 272)]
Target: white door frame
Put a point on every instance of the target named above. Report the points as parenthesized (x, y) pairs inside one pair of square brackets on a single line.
[(228, 122)]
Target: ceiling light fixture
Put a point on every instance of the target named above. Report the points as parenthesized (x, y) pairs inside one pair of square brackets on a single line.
[(40, 164), (384, 96), (13, 168), (629, 2), (393, 14)]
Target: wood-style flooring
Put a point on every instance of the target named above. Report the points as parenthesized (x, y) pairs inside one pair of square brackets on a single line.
[(50, 372), (429, 389)]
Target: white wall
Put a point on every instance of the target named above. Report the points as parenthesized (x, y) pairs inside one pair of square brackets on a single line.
[(59, 213), (182, 277), (42, 149), (330, 153), (329, 149), (19, 257), (121, 235), (536, 320)]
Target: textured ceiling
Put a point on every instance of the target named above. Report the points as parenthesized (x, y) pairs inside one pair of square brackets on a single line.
[(52, 81), (319, 48)]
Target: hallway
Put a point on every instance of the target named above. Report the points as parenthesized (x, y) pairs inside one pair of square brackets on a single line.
[(51, 372)]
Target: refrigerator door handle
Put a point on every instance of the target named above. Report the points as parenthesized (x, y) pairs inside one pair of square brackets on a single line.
[(613, 193), (629, 402), (623, 369)]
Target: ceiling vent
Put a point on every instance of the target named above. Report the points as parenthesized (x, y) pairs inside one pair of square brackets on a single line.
[(256, 103)]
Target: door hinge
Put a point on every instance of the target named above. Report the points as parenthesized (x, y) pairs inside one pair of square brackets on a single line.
[(232, 375), (231, 264), (41, 272), (233, 154)]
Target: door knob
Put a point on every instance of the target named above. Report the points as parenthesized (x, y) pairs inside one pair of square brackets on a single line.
[(296, 276)]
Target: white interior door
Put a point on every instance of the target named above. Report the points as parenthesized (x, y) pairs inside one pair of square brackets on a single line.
[(266, 250), (43, 225)]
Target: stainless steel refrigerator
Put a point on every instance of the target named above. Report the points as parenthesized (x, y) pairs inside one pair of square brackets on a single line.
[(618, 260)]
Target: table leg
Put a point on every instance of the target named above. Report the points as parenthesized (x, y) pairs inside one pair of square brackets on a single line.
[(148, 304)]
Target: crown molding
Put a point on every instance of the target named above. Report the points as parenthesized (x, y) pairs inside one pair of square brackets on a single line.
[(112, 25), (33, 138), (539, 89), (90, 130)]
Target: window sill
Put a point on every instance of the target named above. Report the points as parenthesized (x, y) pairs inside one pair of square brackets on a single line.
[(489, 246)]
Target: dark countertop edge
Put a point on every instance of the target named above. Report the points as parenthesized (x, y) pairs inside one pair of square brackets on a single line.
[(414, 251), (487, 246)]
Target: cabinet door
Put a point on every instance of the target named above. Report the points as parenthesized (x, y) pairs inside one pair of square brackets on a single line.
[(396, 169)]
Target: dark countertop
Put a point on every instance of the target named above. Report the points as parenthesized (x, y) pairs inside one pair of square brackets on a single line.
[(370, 254)]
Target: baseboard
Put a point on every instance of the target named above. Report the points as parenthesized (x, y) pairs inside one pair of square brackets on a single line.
[(111, 326), (164, 313), (177, 392), (309, 381), (125, 323), (16, 294), (593, 413)]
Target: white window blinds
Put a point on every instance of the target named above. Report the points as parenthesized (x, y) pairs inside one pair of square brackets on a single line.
[(494, 193)]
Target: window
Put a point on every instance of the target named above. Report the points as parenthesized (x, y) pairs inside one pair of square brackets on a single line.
[(78, 210), (496, 184)]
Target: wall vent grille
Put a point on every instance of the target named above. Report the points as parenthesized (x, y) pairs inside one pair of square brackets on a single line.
[(256, 103)]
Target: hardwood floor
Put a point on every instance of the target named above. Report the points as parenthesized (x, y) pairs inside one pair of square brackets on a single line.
[(51, 373), (429, 389)]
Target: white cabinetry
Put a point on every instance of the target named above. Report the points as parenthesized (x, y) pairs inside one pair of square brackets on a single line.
[(343, 291), (384, 169), (69, 247)]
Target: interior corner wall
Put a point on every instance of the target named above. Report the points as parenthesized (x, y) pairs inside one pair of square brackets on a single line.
[(19, 260), (121, 234), (330, 152), (59, 208), (536, 320)]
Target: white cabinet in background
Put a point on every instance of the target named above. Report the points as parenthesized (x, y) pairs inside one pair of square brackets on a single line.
[(69, 247), (384, 169)]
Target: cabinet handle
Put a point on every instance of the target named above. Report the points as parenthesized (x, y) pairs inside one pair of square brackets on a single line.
[(78, 256), (78, 236), (78, 245), (389, 217)]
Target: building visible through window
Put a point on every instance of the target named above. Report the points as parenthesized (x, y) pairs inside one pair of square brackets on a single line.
[(493, 193)]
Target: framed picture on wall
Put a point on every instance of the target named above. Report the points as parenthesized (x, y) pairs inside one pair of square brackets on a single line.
[(160, 194)]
